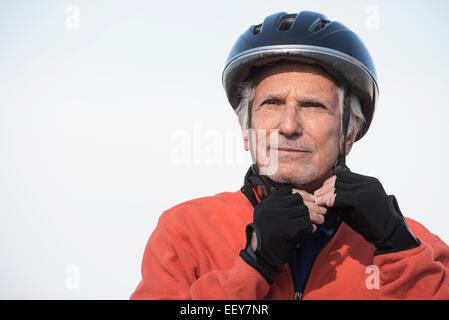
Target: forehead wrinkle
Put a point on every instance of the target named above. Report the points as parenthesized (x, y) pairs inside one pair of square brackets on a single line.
[(285, 66), (313, 98), (274, 95), (313, 94), (300, 97), (304, 87)]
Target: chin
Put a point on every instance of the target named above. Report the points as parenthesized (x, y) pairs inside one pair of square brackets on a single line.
[(295, 175)]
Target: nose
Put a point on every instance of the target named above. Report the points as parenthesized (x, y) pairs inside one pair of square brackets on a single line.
[(290, 124)]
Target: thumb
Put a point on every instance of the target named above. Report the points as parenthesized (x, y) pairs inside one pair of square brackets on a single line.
[(305, 195)]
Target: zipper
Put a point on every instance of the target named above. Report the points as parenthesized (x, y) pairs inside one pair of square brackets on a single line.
[(298, 294)]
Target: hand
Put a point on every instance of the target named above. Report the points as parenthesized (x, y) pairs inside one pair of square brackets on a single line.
[(325, 196), (367, 209), (279, 223), (317, 211)]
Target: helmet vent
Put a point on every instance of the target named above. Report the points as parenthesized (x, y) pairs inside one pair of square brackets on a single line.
[(319, 25), (256, 29), (286, 22)]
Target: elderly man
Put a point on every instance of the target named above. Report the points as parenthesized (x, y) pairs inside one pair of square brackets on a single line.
[(303, 225)]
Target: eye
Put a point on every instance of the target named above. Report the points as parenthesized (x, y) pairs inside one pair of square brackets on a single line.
[(270, 101), (313, 104)]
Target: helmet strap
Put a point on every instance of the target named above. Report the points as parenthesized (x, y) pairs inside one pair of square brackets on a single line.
[(250, 136), (254, 168), (345, 123)]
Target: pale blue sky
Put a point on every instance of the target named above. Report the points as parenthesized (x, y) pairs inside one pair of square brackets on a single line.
[(89, 118)]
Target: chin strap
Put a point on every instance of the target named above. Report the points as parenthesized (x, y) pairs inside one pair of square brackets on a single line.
[(345, 124), (253, 176), (250, 135)]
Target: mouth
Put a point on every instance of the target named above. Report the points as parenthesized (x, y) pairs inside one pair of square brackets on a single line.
[(291, 151)]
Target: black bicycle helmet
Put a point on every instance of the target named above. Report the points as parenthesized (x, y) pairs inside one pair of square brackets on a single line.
[(307, 37)]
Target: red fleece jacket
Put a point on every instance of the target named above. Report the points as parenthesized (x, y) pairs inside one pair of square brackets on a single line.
[(194, 254)]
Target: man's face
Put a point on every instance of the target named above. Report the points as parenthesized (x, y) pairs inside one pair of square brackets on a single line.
[(300, 101)]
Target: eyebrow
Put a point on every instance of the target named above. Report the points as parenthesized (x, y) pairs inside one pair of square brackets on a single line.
[(277, 97), (313, 102), (302, 102)]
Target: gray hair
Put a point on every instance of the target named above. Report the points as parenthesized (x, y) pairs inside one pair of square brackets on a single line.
[(356, 120)]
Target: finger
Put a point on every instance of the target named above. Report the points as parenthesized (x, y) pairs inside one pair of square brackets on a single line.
[(330, 202), (312, 206), (316, 218), (327, 185), (330, 180), (326, 199), (316, 213), (324, 190), (304, 194)]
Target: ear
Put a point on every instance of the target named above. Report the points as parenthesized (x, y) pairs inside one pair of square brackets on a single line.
[(349, 145), (351, 138), (245, 139)]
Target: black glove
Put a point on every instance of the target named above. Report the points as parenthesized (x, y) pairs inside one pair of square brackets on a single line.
[(279, 222), (369, 211)]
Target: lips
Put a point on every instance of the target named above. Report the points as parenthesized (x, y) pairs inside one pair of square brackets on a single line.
[(290, 149)]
